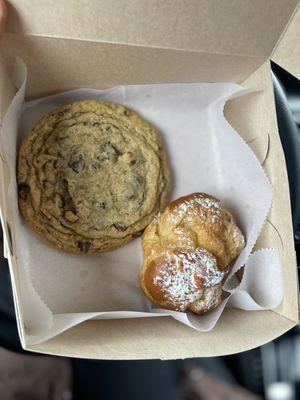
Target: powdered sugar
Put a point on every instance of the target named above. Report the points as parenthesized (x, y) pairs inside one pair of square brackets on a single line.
[(210, 208), (184, 276)]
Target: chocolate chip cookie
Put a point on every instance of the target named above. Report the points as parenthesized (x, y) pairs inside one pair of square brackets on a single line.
[(91, 176)]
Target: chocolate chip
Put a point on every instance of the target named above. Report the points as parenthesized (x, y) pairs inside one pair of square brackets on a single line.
[(119, 227), (78, 166), (102, 157), (127, 112), (127, 158), (77, 162), (24, 190), (96, 124), (101, 204), (84, 246)]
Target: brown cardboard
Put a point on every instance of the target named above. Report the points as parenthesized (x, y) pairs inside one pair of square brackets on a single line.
[(278, 227), (147, 42), (287, 53), (165, 338), (252, 29), (7, 91), (119, 64)]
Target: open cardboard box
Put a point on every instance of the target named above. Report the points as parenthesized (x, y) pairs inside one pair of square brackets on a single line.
[(110, 42)]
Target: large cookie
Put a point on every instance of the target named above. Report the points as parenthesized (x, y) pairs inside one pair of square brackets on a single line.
[(91, 176)]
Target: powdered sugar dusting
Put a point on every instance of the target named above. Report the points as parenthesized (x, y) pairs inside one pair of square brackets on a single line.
[(184, 276), (210, 208)]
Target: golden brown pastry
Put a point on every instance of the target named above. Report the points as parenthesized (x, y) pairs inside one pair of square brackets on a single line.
[(188, 251)]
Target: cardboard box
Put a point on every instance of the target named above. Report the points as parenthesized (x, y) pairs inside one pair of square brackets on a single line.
[(109, 42)]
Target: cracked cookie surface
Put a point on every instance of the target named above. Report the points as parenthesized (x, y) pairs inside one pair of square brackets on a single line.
[(91, 176)]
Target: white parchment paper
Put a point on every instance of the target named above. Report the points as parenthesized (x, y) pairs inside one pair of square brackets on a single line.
[(59, 290)]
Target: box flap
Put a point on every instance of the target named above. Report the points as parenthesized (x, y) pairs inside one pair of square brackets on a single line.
[(251, 27), (287, 53), (55, 65)]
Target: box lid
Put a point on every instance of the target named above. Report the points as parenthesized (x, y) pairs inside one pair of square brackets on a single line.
[(287, 52), (250, 28)]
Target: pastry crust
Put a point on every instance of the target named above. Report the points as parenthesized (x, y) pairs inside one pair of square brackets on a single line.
[(91, 176), (188, 251)]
